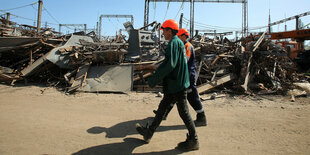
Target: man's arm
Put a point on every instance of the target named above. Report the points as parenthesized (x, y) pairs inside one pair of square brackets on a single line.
[(165, 68)]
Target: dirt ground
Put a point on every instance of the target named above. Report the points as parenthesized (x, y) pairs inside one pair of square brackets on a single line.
[(39, 120)]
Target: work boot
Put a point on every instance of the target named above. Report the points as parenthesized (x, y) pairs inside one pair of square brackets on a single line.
[(145, 132), (189, 144), (201, 119), (165, 115)]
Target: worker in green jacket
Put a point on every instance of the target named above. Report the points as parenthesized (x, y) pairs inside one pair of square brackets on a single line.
[(173, 72)]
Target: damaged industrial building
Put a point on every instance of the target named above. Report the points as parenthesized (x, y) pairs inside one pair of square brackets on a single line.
[(85, 62)]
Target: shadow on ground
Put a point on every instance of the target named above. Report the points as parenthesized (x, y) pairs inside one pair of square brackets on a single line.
[(124, 129), (124, 148)]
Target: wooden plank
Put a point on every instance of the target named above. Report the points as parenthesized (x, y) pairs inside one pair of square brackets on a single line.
[(34, 66), (80, 77), (212, 84), (256, 45)]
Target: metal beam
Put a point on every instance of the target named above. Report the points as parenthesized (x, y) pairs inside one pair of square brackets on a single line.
[(219, 34), (112, 16)]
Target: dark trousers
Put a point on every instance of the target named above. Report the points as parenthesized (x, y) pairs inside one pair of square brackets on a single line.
[(193, 98), (170, 99)]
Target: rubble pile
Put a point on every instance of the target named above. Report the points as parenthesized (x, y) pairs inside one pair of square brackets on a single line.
[(80, 62), (257, 66)]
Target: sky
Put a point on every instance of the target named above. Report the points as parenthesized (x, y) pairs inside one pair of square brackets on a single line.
[(220, 16)]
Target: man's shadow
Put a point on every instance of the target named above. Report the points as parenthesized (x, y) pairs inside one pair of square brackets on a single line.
[(124, 148), (129, 128)]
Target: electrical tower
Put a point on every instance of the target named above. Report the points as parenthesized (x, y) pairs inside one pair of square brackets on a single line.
[(287, 19), (192, 2), (75, 25), (112, 16)]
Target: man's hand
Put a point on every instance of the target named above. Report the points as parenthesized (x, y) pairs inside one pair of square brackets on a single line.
[(151, 81)]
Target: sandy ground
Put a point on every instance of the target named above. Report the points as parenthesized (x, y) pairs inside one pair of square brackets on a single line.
[(39, 120)]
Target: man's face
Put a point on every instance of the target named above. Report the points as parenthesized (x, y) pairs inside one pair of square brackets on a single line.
[(182, 37)]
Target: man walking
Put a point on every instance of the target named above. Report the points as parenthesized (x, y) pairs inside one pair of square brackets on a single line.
[(192, 93), (174, 74)]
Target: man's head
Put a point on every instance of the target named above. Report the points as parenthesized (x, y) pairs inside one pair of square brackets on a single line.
[(170, 28), (183, 34)]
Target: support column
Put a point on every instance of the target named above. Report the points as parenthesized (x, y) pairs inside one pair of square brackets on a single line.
[(60, 28), (244, 18), (97, 30), (146, 13), (39, 15), (100, 24), (297, 22), (191, 19), (181, 20), (8, 15)]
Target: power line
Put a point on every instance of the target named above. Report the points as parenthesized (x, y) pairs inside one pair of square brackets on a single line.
[(21, 6), (167, 10), (213, 26), (18, 16), (53, 17), (154, 7), (181, 7), (50, 14), (26, 18)]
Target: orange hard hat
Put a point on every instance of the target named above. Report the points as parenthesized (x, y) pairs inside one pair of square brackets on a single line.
[(183, 31), (170, 23)]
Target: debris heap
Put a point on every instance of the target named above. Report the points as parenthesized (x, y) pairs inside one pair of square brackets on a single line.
[(80, 62)]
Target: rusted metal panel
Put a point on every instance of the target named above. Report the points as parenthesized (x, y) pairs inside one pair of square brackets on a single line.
[(109, 79)]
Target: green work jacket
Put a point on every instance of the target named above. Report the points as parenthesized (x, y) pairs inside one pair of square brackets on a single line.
[(173, 71)]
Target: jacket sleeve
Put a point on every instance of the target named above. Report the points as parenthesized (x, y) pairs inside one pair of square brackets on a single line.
[(165, 67)]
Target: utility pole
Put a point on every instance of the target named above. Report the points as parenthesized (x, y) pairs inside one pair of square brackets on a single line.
[(39, 15), (8, 18), (192, 10)]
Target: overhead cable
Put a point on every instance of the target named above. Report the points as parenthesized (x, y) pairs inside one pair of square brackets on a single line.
[(167, 10), (154, 8), (50, 14), (21, 6), (181, 8)]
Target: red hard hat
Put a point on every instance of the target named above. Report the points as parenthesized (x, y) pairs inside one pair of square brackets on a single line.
[(183, 31), (170, 23)]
